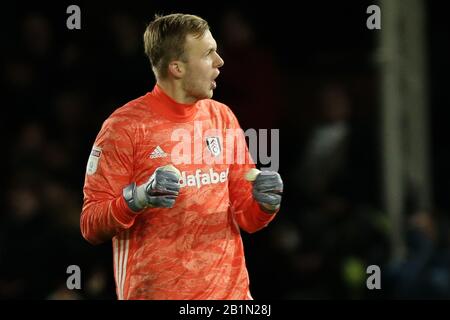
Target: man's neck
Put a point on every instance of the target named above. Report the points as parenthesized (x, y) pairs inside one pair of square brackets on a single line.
[(173, 89)]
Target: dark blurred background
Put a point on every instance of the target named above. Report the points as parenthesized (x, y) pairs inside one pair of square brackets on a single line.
[(360, 189)]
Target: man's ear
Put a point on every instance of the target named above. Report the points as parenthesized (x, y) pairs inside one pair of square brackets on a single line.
[(176, 69)]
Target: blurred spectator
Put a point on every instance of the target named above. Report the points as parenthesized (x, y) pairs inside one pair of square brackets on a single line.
[(325, 160), (340, 231), (425, 272), (250, 81)]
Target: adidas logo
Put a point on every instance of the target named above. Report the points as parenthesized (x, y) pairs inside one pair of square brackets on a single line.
[(158, 153)]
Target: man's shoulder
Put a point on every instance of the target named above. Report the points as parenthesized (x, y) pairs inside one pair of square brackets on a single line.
[(129, 113), (132, 110)]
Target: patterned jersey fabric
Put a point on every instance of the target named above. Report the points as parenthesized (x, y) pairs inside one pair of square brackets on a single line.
[(193, 250)]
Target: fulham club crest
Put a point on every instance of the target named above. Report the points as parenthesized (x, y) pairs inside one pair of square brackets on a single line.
[(213, 144)]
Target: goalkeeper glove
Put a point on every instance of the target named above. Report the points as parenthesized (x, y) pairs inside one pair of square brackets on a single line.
[(267, 188), (160, 191)]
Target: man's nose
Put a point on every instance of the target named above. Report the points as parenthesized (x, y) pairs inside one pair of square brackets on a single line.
[(219, 61)]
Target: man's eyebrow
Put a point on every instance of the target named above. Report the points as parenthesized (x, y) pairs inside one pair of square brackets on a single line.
[(210, 49)]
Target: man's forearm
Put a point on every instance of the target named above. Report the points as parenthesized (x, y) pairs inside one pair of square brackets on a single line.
[(102, 220)]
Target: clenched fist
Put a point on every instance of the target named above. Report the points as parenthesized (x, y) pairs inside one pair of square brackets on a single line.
[(267, 188), (160, 191)]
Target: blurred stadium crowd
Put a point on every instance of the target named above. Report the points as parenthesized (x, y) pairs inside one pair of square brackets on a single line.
[(309, 73)]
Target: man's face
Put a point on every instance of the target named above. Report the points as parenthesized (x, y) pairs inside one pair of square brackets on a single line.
[(202, 66)]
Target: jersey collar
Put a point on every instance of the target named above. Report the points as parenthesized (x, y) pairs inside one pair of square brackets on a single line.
[(169, 108)]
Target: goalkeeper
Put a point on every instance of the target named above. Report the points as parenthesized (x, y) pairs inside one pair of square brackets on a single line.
[(175, 225)]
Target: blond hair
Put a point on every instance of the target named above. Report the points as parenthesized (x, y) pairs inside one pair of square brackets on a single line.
[(165, 37)]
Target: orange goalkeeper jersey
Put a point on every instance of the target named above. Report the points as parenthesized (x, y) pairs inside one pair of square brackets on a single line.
[(193, 250)]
